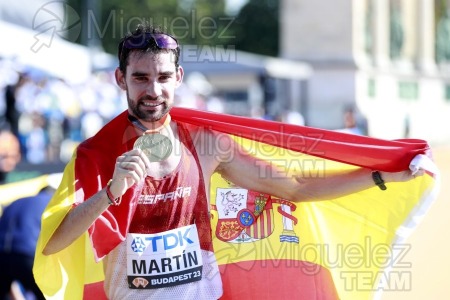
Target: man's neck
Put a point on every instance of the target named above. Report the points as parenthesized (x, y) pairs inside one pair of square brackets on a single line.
[(151, 127)]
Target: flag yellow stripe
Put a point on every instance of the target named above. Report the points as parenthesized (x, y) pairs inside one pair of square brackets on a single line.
[(62, 275)]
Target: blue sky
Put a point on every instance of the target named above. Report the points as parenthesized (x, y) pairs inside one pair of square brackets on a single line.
[(233, 6)]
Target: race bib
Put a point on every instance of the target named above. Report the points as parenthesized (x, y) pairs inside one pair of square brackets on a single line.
[(164, 259)]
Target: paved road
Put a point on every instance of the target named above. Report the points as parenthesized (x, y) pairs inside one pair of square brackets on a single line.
[(429, 253)]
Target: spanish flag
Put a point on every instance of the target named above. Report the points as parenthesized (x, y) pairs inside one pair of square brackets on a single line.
[(266, 247)]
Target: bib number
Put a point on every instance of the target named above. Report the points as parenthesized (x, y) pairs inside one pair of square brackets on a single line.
[(164, 259)]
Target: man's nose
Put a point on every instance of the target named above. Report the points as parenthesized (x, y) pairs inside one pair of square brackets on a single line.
[(154, 89)]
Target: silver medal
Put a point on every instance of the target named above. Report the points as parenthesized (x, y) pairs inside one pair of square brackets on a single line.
[(156, 146)]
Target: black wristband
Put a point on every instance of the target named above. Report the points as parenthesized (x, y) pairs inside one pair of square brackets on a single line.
[(378, 180)]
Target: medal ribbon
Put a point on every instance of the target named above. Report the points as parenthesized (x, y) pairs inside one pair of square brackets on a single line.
[(141, 126)]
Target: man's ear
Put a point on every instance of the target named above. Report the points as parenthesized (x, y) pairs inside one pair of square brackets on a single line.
[(120, 79), (180, 74)]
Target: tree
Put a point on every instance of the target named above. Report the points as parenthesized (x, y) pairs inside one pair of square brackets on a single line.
[(191, 21), (256, 28)]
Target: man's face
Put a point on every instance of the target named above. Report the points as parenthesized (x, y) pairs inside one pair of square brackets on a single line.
[(150, 82), (9, 152)]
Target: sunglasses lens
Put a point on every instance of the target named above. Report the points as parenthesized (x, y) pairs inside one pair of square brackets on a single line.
[(163, 41)]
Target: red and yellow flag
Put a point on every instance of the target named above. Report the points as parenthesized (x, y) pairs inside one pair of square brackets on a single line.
[(266, 246)]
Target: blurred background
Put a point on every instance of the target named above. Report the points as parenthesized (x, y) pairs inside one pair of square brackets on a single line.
[(374, 67)]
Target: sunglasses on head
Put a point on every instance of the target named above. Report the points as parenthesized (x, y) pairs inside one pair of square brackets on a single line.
[(141, 41)]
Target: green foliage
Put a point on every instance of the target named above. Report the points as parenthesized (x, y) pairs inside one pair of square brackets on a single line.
[(199, 22), (442, 33), (396, 33), (257, 27)]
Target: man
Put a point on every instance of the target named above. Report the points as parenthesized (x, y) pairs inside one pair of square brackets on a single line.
[(19, 231), (9, 154), (352, 123), (159, 170), (20, 224)]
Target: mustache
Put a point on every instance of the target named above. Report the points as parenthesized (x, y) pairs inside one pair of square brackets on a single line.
[(157, 98)]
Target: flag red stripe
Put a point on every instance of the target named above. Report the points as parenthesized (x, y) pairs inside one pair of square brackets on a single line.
[(352, 149), (262, 225), (94, 291), (277, 279)]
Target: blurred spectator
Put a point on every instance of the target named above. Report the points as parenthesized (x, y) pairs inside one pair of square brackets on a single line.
[(20, 225), (9, 154), (36, 140), (186, 97), (11, 112), (91, 123), (258, 112), (407, 130), (292, 117), (215, 104), (353, 122), (51, 117)]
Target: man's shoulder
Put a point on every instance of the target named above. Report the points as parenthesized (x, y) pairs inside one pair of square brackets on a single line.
[(213, 147), (204, 135)]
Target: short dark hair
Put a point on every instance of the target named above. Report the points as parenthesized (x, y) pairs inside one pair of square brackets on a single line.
[(123, 52)]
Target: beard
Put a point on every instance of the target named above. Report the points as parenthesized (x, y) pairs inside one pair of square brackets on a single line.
[(147, 113)]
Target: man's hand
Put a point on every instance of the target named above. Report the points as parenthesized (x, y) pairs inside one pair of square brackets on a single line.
[(131, 168), (401, 176)]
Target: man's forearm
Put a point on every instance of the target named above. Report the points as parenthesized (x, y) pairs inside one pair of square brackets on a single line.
[(77, 222), (338, 185)]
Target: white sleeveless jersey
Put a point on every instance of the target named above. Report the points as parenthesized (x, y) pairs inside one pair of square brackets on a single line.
[(116, 284)]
